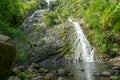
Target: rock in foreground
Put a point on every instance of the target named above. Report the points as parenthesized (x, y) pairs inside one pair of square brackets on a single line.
[(7, 56)]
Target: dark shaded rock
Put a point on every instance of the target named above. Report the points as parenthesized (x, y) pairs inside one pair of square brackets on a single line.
[(36, 67), (106, 74), (116, 68), (15, 71), (7, 56), (112, 72), (82, 70), (37, 74), (54, 72)]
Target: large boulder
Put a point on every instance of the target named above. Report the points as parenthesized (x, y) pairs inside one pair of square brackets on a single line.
[(7, 56), (53, 43), (62, 72), (106, 74)]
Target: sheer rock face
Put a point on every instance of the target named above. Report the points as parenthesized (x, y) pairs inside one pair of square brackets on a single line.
[(7, 56), (47, 43)]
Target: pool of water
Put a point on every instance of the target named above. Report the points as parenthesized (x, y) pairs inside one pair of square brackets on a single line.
[(83, 70)]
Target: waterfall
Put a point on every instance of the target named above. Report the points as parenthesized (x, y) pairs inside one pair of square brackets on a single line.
[(48, 4), (83, 48)]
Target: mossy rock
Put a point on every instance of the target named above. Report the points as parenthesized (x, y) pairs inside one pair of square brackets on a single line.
[(7, 59)]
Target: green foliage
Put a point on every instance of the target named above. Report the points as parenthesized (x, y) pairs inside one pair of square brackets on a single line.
[(12, 14), (54, 4), (26, 7), (116, 28), (22, 56), (111, 17), (23, 75), (42, 4), (66, 49), (102, 16), (9, 31), (50, 18), (118, 78)]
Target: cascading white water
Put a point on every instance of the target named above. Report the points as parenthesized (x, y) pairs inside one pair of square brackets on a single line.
[(48, 4), (83, 50)]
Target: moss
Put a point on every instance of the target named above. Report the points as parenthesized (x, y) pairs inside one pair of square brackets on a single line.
[(25, 74), (66, 49), (43, 41)]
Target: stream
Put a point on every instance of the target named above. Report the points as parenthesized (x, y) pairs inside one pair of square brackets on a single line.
[(83, 70)]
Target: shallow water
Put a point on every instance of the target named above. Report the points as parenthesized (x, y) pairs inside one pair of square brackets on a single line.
[(83, 70)]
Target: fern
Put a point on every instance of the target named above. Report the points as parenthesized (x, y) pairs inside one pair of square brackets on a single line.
[(111, 15)]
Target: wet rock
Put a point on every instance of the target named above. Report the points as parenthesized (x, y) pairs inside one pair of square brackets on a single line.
[(60, 78), (39, 78), (70, 74), (49, 76), (97, 74), (106, 74), (13, 78), (113, 72), (31, 67), (113, 77), (116, 61), (7, 56), (62, 72)]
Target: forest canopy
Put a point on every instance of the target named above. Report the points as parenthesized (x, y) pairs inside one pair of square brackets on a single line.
[(13, 13)]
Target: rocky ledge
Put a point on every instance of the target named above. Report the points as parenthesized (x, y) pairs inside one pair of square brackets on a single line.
[(35, 72), (47, 42)]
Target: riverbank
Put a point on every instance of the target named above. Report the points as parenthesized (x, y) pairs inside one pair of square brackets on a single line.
[(67, 71)]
